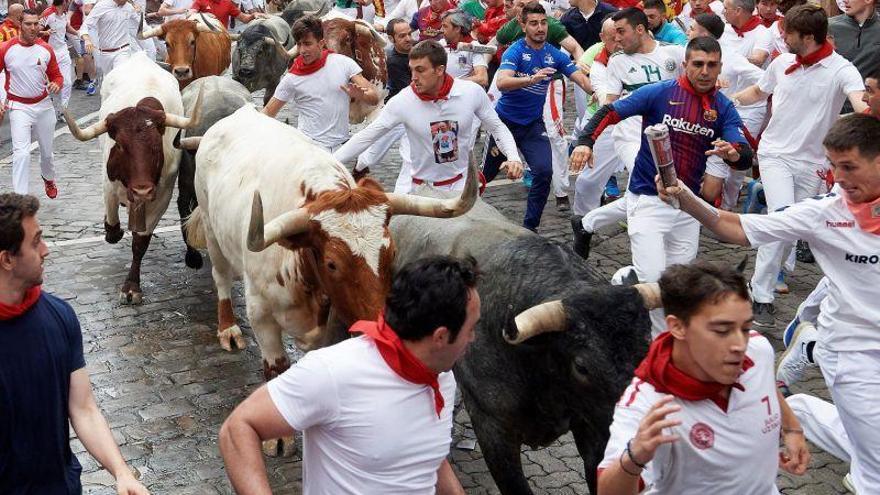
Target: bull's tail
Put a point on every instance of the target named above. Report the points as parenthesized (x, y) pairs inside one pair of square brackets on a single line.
[(195, 229)]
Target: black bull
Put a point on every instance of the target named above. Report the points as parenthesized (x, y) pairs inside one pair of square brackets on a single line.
[(534, 392)]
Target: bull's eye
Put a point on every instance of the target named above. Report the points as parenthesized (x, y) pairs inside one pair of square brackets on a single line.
[(192, 43), (581, 366), (331, 266)]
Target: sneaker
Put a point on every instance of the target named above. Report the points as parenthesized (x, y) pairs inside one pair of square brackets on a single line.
[(764, 315), (848, 483), (527, 179), (51, 188), (79, 84), (788, 334), (59, 116), (796, 358), (91, 89), (803, 253), (781, 286), (581, 245), (612, 191), (562, 204)]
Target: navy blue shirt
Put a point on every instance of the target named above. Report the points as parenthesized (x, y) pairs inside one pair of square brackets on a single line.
[(524, 106), (586, 31), (691, 130), (38, 352)]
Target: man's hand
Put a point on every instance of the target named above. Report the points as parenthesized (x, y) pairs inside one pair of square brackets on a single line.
[(260, 15), (127, 485), (581, 157), (794, 456), (650, 435), (3, 108), (514, 169), (668, 194), (90, 47), (354, 91), (53, 88), (541, 75), (724, 150)]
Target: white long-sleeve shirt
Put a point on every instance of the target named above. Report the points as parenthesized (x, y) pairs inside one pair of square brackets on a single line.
[(426, 120), (28, 68), (112, 25)]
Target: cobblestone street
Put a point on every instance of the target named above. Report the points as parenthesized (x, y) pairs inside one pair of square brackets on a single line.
[(166, 385)]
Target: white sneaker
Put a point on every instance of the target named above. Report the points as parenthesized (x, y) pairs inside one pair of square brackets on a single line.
[(848, 484), (794, 361)]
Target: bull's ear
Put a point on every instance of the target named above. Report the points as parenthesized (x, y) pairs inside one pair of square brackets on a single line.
[(370, 183), (111, 125)]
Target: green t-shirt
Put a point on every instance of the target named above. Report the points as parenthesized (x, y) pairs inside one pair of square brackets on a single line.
[(474, 8), (512, 31), (587, 58)]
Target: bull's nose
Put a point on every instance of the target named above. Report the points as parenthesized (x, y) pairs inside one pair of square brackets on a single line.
[(182, 72), (245, 72), (143, 192)]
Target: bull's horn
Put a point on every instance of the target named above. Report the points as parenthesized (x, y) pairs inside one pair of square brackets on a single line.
[(261, 236), (270, 40), (234, 36), (208, 24), (293, 52), (188, 143), (543, 318), (650, 292), (363, 28), (90, 132), (406, 204), (278, 47), (172, 120), (149, 33)]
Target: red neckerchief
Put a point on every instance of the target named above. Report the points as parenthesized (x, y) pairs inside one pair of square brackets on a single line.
[(769, 22), (825, 50), (8, 312), (751, 24), (658, 370), (464, 39), (603, 57), (398, 357), (867, 214), (705, 98), (443, 94), (49, 11), (300, 68)]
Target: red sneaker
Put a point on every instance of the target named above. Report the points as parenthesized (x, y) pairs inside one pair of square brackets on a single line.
[(51, 189)]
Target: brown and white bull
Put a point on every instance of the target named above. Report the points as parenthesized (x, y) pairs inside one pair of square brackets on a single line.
[(197, 46), (141, 111), (284, 215)]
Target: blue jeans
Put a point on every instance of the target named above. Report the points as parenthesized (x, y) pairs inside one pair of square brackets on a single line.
[(533, 143)]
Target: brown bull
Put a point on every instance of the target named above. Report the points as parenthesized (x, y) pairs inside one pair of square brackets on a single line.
[(195, 49), (357, 41)]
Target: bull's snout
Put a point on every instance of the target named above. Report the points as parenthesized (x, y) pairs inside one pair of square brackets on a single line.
[(143, 193), (182, 72), (246, 72)]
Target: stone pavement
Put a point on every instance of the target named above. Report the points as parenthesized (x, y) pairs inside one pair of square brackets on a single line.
[(166, 385)]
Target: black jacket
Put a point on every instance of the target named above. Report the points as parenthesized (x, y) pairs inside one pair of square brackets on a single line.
[(586, 32)]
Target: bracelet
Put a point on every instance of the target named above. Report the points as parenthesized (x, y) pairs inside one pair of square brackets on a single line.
[(629, 452), (623, 466), (786, 431)]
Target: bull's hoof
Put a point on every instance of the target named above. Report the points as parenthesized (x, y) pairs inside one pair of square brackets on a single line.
[(231, 336), (113, 233), (193, 258), (131, 296), (279, 447)]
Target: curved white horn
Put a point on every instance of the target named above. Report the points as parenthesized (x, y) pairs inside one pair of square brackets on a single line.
[(152, 33), (90, 132), (543, 318), (650, 292), (260, 235), (189, 143), (293, 52), (172, 120), (207, 23), (234, 36), (406, 204)]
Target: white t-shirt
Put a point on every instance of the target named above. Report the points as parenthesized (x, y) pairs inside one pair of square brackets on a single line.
[(849, 317), (322, 105), (805, 105), (743, 45), (685, 17), (109, 25), (461, 63), (365, 429), (57, 23), (772, 41), (425, 120), (737, 74), (177, 4), (723, 453)]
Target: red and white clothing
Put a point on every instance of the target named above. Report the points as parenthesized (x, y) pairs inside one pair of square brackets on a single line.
[(806, 102), (321, 104), (365, 429), (772, 41), (28, 69), (56, 22), (110, 27), (177, 4), (461, 63), (848, 347), (687, 13), (727, 448), (744, 39), (222, 9), (423, 120)]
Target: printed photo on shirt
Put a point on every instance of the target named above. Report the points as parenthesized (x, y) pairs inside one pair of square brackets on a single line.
[(444, 134)]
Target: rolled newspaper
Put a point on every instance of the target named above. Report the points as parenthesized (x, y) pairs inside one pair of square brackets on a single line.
[(477, 48), (661, 150)]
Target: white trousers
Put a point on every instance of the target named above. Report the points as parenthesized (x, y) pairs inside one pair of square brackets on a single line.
[(377, 151), (659, 236), (849, 430), (556, 134), (148, 45), (786, 181), (107, 61), (65, 65), (591, 182), (24, 120)]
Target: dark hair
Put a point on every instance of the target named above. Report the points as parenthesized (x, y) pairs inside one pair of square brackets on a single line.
[(431, 50), (57, 2), (389, 28), (30, 12), (858, 131), (706, 44), (531, 8), (430, 293), (807, 19), (874, 74), (632, 16), (786, 5), (14, 208), (307, 25), (654, 4), (711, 23), (685, 289)]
